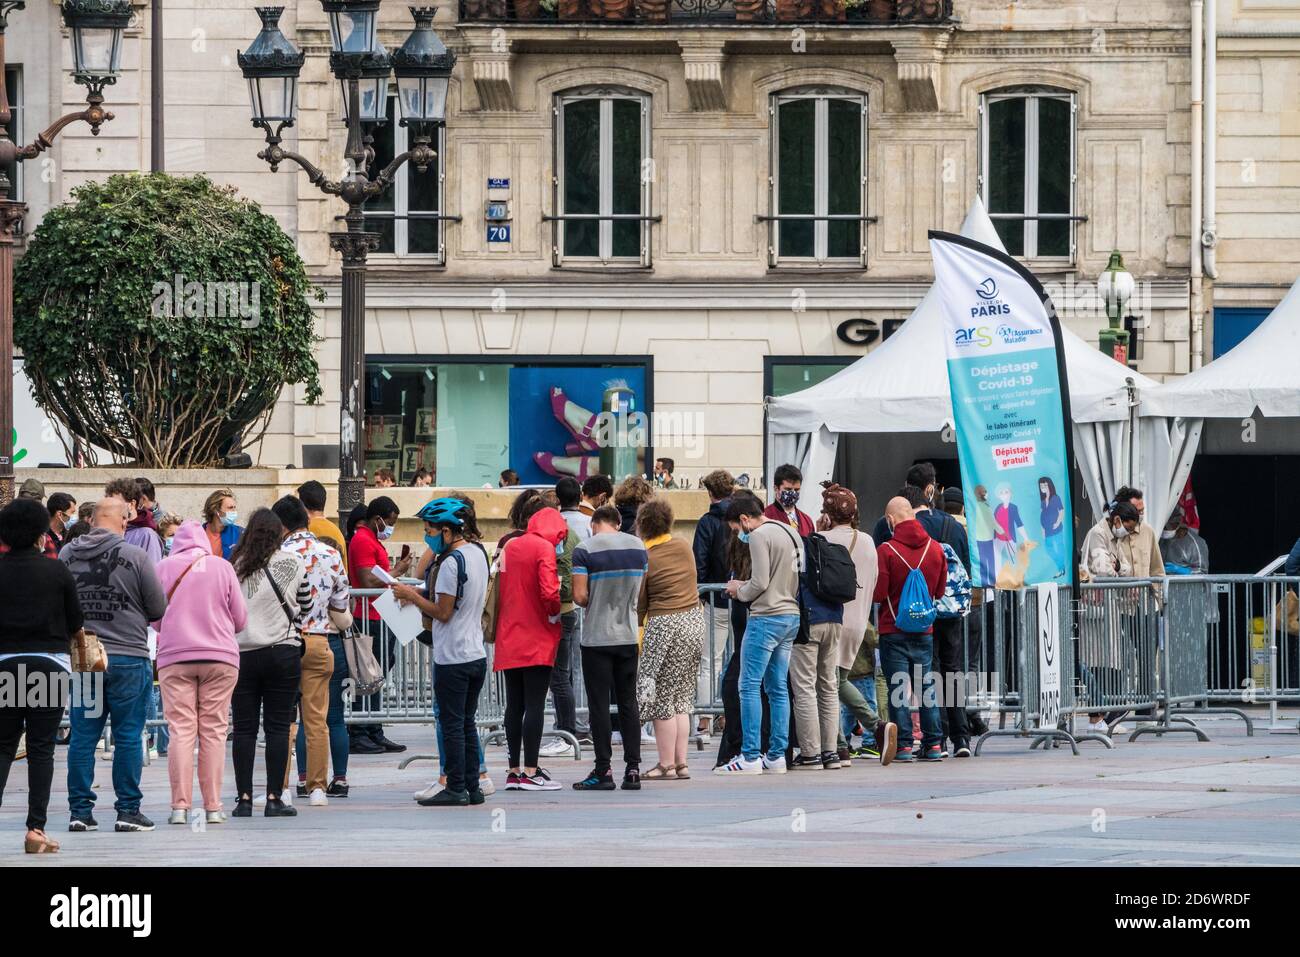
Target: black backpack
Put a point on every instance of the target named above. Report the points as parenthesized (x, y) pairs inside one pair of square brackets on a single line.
[(831, 575)]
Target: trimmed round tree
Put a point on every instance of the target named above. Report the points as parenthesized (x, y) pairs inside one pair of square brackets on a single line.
[(161, 316)]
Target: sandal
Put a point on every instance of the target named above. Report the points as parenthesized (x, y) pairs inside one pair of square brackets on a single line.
[(683, 772), (660, 773), (41, 845)]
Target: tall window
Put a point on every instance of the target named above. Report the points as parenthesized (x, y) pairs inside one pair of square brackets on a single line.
[(406, 217), (1027, 170), (14, 89), (818, 181), (602, 181)]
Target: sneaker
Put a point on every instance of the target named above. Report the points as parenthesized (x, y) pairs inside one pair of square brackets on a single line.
[(632, 779), (585, 739), (153, 754), (538, 781), (845, 757), (512, 781), (933, 753), (975, 721), (425, 793), (286, 797), (318, 798), (445, 798), (1098, 727), (242, 809), (132, 822), (385, 745), (887, 742), (867, 752), (773, 765), (738, 765), (278, 808), (807, 762), (556, 748), (219, 817), (301, 790), (87, 823), (617, 738), (595, 782), (830, 760), (486, 786), (1119, 729), (903, 754), (477, 797), (179, 816), (337, 789), (963, 751)]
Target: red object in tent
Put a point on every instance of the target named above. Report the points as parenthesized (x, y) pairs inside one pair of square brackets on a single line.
[(1187, 502)]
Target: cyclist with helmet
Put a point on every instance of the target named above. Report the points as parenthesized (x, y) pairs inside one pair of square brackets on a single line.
[(452, 605)]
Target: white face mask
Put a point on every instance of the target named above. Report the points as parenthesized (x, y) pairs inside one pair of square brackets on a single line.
[(1121, 532), (1168, 534), (384, 533)]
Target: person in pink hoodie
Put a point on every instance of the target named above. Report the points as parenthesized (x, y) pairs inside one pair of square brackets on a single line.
[(198, 665)]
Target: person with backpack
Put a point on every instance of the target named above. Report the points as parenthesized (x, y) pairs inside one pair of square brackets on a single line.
[(772, 591), (452, 605), (912, 577), (856, 657), (828, 582)]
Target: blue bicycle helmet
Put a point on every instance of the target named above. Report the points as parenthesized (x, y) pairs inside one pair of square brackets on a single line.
[(443, 511)]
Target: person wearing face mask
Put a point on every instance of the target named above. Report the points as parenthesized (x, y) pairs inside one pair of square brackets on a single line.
[(63, 515), (366, 552), (787, 481), (1146, 550), (220, 521), (772, 589), (1183, 551), (1107, 552)]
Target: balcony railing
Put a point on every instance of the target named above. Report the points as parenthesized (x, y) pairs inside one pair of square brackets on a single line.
[(660, 12)]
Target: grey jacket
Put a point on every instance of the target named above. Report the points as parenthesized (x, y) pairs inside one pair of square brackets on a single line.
[(118, 589)]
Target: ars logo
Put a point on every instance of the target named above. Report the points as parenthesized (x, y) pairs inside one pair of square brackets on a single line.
[(973, 336)]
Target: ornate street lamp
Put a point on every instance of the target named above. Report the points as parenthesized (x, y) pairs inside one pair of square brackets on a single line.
[(362, 66), (96, 29), (1115, 286)]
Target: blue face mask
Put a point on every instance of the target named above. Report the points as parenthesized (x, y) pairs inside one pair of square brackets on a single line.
[(436, 543), (230, 518), (744, 537), (384, 533)]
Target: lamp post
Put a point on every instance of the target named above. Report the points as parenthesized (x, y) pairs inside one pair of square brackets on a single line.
[(1115, 286), (96, 27), (423, 69)]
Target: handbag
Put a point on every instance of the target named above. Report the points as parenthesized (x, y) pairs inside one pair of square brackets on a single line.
[(491, 602), (363, 667), (87, 652)]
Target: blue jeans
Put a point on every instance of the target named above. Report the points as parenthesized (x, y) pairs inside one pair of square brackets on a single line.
[(437, 727), (900, 655), (127, 689), (867, 686), (337, 725), (764, 665)]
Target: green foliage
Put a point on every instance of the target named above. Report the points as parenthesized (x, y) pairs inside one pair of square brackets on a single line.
[(109, 354)]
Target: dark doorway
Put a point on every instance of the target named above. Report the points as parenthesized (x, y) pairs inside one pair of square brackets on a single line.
[(1249, 507)]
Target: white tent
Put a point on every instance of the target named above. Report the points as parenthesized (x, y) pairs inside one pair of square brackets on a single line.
[(902, 386), (1261, 372)]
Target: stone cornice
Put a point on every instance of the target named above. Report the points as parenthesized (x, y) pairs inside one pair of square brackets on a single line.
[(773, 293)]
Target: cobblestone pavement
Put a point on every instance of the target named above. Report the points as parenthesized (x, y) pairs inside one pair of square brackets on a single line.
[(1234, 800)]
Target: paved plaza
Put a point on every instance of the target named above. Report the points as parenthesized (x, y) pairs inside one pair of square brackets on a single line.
[(1232, 801)]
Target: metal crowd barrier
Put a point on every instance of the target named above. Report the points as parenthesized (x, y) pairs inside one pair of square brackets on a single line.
[(407, 693)]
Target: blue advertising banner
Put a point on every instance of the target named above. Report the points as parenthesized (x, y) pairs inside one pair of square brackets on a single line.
[(1010, 405)]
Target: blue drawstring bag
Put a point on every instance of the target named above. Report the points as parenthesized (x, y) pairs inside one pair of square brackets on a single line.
[(916, 612)]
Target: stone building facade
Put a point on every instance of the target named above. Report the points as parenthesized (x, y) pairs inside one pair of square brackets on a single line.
[(884, 124)]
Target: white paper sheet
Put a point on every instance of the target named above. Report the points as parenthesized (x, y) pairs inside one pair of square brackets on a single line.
[(403, 621)]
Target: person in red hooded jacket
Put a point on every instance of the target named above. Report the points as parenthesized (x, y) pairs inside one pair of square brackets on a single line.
[(901, 652), (527, 636)]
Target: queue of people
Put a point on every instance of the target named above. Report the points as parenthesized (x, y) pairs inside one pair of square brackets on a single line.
[(244, 629)]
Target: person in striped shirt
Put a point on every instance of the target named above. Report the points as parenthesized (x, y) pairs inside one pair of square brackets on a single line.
[(608, 569)]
